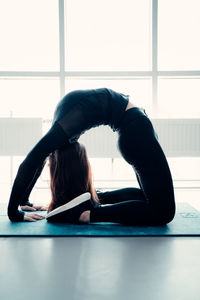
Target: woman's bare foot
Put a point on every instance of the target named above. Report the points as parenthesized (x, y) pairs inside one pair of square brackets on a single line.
[(85, 217)]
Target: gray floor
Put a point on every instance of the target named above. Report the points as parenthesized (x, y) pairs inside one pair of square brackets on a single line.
[(135, 268), (100, 268)]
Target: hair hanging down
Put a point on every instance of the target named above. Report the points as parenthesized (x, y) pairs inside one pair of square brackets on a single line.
[(70, 174)]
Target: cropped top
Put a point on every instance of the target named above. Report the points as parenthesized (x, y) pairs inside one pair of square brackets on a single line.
[(77, 112), (81, 110)]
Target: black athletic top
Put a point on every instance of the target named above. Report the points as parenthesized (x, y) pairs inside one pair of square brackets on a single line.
[(77, 112)]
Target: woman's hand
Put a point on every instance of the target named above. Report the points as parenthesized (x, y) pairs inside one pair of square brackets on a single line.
[(40, 207), (33, 208), (30, 217)]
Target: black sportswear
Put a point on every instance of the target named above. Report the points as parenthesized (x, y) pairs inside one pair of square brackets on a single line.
[(152, 204), (77, 112)]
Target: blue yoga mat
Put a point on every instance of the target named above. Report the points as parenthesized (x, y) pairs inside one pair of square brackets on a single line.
[(185, 223)]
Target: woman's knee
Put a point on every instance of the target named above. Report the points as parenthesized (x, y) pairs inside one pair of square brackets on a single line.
[(164, 216), (169, 217)]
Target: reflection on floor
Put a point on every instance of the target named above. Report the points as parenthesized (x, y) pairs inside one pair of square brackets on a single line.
[(100, 268), (136, 268)]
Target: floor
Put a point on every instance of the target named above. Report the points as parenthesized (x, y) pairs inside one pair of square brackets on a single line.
[(137, 268), (100, 268)]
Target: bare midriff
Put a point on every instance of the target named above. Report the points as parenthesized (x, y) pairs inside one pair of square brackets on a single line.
[(129, 105)]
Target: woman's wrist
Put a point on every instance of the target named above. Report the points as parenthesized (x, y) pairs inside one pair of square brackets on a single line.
[(27, 203), (18, 216)]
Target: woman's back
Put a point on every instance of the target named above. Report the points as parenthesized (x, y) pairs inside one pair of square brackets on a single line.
[(81, 110)]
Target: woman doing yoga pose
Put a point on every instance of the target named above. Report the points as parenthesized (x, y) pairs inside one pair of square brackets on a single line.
[(70, 172)]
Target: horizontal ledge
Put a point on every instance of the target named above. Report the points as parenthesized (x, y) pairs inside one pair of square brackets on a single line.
[(76, 73), (29, 73), (98, 73), (178, 73), (108, 73)]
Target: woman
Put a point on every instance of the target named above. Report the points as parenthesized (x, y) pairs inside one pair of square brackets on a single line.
[(78, 111)]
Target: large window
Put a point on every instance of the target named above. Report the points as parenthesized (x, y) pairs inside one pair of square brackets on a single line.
[(108, 35), (148, 49)]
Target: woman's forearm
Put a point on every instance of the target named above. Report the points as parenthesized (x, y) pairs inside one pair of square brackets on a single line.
[(31, 168)]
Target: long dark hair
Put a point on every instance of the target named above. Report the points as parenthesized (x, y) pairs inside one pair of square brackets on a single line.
[(70, 174)]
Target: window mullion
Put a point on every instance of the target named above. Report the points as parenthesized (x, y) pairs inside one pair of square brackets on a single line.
[(62, 47), (154, 56)]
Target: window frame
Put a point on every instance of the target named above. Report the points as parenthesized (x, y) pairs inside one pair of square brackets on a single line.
[(62, 74)]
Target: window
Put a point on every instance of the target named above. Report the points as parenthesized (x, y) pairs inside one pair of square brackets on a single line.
[(178, 97), (178, 35), (127, 45), (108, 35), (148, 49), (178, 57), (29, 35), (28, 96)]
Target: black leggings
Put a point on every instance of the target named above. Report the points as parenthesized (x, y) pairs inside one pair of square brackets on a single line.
[(153, 203)]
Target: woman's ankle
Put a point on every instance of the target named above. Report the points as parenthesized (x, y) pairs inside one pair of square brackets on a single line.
[(85, 217)]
